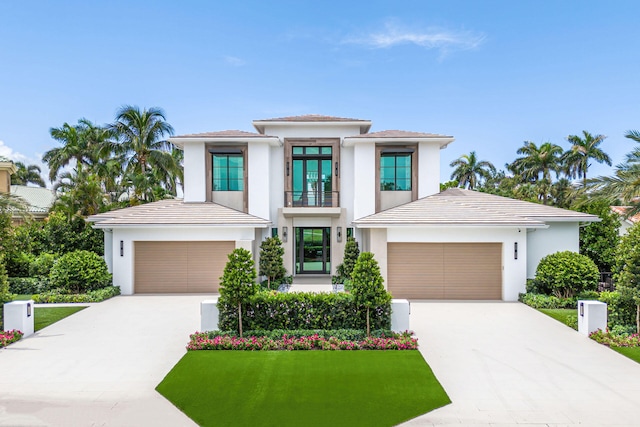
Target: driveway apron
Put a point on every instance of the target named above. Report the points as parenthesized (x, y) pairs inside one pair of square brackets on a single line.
[(99, 367), (507, 364)]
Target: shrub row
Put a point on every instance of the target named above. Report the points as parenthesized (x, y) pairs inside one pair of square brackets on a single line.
[(342, 334), (55, 295), (28, 285), (607, 338), (9, 337), (301, 310), (201, 341)]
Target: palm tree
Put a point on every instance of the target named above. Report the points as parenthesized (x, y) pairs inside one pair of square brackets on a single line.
[(537, 164), (142, 145), (27, 174), (582, 150), (469, 171), (81, 143), (79, 193)]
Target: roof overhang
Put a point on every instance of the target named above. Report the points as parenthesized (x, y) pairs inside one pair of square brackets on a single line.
[(442, 142), (364, 125), (106, 224), (271, 140), (451, 225)]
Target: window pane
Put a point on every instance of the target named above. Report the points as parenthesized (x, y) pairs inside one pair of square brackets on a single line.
[(403, 184), (235, 161), (387, 161), (312, 150), (297, 178), (297, 150), (326, 150), (403, 160)]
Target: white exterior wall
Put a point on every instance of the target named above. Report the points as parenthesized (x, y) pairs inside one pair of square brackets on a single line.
[(560, 236), (514, 271), (276, 184), (347, 182), (364, 172), (624, 227), (195, 185), (108, 249), (259, 191), (123, 265), (292, 130), (428, 169)]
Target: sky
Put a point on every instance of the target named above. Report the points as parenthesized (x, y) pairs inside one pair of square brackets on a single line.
[(493, 74)]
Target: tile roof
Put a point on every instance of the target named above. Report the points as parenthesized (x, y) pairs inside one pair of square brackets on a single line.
[(311, 118), (223, 134), (39, 199), (399, 134), (622, 211), (176, 212), (458, 207)]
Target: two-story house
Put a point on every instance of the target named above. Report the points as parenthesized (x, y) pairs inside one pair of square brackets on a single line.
[(316, 180)]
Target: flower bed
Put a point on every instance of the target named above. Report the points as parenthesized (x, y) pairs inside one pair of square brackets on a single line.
[(203, 341), (606, 338), (9, 337)]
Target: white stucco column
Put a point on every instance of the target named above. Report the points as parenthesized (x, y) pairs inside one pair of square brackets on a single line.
[(195, 176), (108, 249), (428, 169), (258, 159), (364, 190)]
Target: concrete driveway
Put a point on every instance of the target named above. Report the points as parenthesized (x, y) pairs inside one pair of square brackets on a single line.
[(507, 364), (99, 367)]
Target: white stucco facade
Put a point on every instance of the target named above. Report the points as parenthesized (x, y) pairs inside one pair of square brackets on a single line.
[(558, 237)]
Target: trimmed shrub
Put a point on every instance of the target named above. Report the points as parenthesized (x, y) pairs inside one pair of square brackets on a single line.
[(271, 263), (567, 273), (28, 285), (79, 272), (546, 301), (237, 283), (5, 295), (344, 270), (98, 295), (342, 334), (42, 264), (621, 309), (367, 287), (18, 263), (301, 310)]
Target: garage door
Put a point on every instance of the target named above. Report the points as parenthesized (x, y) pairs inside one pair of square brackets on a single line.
[(445, 270), (179, 267)]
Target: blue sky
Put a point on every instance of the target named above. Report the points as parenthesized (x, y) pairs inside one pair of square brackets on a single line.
[(491, 73)]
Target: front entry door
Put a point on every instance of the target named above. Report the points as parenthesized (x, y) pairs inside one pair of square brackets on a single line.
[(313, 250)]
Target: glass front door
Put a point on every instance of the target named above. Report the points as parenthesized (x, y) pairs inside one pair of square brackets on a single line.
[(313, 250)]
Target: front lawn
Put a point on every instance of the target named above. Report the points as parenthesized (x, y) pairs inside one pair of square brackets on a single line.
[(632, 353), (21, 297), (560, 314), (294, 388), (45, 316)]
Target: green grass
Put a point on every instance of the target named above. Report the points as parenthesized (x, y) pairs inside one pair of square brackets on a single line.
[(22, 297), (45, 316), (632, 353), (560, 314), (303, 388)]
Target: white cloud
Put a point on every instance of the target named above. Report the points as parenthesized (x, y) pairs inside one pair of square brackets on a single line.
[(441, 39), (6, 151), (9, 153), (234, 60)]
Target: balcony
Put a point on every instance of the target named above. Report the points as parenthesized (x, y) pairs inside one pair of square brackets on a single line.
[(312, 199)]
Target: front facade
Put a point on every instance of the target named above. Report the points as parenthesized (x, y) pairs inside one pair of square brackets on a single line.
[(314, 181)]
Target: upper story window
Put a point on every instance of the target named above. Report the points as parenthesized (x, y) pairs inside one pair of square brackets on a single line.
[(312, 176), (228, 171), (395, 171)]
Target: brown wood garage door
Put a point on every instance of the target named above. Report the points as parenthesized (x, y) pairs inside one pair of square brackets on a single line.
[(179, 267), (445, 270)]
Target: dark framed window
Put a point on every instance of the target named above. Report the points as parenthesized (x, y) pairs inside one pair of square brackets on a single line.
[(395, 171), (228, 171)]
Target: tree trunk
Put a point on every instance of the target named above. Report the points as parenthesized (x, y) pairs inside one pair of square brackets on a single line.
[(368, 328), (240, 318), (638, 318)]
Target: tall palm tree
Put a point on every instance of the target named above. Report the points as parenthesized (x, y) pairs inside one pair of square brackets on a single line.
[(27, 174), (469, 171), (142, 145), (582, 150), (79, 193), (537, 163), (81, 144)]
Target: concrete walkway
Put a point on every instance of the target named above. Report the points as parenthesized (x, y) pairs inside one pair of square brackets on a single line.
[(507, 364), (99, 367)]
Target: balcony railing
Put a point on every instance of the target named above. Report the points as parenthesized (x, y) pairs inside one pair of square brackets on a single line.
[(312, 199)]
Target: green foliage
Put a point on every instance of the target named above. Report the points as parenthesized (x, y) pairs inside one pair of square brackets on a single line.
[(599, 240), (627, 269), (567, 273), (5, 295), (301, 310), (367, 285), (62, 235), (271, 262), (351, 254), (58, 296), (18, 263), (28, 285), (541, 301), (42, 264), (237, 283), (621, 309), (80, 271)]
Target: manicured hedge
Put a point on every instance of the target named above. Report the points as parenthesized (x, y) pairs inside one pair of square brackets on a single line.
[(342, 334), (91, 296), (302, 310), (28, 285)]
